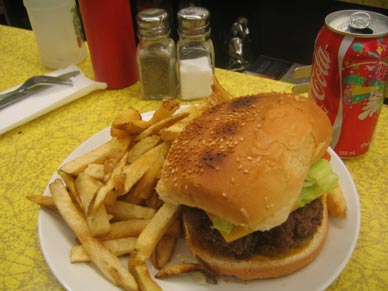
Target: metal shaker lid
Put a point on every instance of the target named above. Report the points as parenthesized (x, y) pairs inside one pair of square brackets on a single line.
[(360, 23), (152, 22), (194, 21)]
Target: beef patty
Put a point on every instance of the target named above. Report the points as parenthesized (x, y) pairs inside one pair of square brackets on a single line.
[(298, 229)]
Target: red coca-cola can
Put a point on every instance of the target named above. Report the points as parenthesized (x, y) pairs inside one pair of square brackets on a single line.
[(349, 76)]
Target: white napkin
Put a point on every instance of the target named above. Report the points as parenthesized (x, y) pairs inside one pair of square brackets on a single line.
[(47, 100)]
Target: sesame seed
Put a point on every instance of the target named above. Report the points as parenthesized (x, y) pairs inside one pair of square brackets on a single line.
[(244, 212)]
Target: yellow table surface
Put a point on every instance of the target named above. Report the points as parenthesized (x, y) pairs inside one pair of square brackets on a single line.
[(30, 154)]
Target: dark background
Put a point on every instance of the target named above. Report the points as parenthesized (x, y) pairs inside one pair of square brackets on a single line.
[(280, 29)]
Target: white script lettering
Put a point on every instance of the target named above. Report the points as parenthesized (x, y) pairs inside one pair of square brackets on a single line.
[(320, 73)]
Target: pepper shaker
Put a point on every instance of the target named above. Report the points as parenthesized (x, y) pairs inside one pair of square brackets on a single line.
[(195, 53), (156, 55)]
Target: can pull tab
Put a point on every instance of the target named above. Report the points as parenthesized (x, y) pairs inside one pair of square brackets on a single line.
[(359, 22)]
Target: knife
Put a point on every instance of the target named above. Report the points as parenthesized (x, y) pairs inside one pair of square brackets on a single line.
[(14, 97)]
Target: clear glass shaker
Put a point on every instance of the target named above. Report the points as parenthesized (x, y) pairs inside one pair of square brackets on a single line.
[(195, 53), (156, 55)]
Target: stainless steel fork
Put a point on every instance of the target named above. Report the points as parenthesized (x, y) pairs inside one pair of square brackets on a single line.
[(35, 81), (27, 88)]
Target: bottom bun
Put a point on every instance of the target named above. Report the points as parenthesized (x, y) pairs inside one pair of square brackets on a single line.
[(259, 267)]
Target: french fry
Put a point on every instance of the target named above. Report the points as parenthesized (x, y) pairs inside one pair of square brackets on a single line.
[(167, 108), (118, 247), (129, 122), (109, 264), (163, 251), (118, 149), (137, 169), (45, 201), (95, 171), (170, 133), (86, 187), (156, 127), (107, 188), (120, 133), (125, 117), (179, 269), (70, 183), (98, 222), (135, 127), (142, 146), (118, 186), (336, 202), (126, 228), (153, 232), (95, 156), (124, 120), (123, 211), (144, 188), (219, 94), (143, 278)]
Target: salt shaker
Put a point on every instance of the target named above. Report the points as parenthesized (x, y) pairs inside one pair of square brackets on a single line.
[(156, 55), (195, 53)]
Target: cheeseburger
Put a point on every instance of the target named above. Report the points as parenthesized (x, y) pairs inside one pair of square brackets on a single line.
[(251, 175)]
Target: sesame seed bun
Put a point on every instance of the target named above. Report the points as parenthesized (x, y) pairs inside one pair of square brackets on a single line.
[(245, 160)]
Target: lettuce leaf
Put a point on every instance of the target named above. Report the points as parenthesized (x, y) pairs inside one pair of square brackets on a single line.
[(319, 180), (222, 225)]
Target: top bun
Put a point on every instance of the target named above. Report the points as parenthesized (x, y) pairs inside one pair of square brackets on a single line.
[(246, 160)]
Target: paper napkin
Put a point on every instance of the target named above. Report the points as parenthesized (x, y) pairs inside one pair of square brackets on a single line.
[(47, 100)]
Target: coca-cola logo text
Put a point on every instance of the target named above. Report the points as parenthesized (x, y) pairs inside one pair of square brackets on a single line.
[(320, 73)]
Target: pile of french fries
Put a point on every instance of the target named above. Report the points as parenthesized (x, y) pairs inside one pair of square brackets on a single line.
[(108, 198)]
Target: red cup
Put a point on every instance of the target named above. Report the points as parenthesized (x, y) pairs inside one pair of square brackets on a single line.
[(111, 40)]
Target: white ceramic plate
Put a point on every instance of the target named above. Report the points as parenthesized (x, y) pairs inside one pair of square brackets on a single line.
[(56, 240)]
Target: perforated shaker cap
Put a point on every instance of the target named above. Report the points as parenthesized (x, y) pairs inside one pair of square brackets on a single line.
[(152, 22), (193, 21)]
